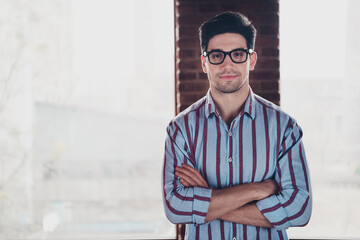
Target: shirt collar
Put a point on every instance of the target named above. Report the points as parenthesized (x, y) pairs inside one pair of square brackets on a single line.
[(248, 108), (210, 105)]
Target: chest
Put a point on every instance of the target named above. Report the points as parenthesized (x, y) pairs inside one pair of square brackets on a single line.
[(245, 152)]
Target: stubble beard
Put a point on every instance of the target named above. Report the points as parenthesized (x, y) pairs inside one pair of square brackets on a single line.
[(229, 87)]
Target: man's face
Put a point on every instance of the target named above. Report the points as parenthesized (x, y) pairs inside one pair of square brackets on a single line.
[(228, 77)]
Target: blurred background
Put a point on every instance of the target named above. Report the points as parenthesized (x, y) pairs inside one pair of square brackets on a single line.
[(87, 90), (320, 87)]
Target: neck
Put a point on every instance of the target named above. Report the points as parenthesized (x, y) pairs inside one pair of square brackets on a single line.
[(229, 105)]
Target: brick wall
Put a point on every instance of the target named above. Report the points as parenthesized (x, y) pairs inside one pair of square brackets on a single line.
[(190, 81)]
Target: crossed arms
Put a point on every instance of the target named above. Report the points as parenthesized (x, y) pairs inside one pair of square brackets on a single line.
[(231, 204), (281, 203)]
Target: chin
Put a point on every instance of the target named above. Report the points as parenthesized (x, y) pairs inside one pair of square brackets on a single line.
[(231, 87), (228, 89)]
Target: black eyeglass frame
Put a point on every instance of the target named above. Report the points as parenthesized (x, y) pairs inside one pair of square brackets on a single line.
[(247, 51)]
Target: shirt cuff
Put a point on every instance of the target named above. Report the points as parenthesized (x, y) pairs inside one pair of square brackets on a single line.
[(272, 209), (201, 204)]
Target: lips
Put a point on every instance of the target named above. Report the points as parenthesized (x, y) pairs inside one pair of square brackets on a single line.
[(227, 76)]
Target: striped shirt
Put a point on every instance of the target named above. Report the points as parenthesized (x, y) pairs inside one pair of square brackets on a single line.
[(261, 143)]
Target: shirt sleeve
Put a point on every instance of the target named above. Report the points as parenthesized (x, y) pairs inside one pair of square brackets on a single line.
[(292, 206), (182, 205)]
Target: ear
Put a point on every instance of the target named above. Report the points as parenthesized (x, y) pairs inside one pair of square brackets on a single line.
[(253, 59), (203, 65)]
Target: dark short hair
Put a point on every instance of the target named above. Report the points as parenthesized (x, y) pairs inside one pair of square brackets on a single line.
[(227, 22)]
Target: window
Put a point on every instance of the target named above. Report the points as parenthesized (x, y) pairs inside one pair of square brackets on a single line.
[(320, 87), (86, 94)]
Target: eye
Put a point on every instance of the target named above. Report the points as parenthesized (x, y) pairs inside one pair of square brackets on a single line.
[(216, 55), (238, 54)]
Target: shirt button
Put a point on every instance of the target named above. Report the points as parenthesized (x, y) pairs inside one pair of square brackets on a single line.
[(230, 134), (234, 238), (230, 159)]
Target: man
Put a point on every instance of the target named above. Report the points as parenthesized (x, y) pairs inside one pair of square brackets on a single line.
[(234, 165)]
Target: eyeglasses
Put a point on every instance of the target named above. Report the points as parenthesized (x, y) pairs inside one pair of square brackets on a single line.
[(238, 55)]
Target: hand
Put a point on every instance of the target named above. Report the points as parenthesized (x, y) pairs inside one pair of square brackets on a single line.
[(190, 177)]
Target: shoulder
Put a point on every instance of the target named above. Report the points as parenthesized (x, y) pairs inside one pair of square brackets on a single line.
[(273, 112), (190, 114), (263, 103)]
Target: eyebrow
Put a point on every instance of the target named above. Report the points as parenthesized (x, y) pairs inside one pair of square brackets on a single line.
[(217, 49)]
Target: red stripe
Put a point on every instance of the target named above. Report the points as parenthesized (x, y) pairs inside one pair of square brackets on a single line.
[(257, 233), (230, 155), (250, 106), (193, 145), (254, 150), (177, 128), (186, 119), (293, 181), (185, 147), (203, 214), (218, 153), (197, 237), (295, 215), (277, 206), (281, 235), (289, 123), (278, 146), (175, 164), (196, 133), (166, 201), (263, 103), (183, 198), (284, 137), (206, 199), (292, 175), (269, 233), (175, 178), (176, 131), (267, 134), (174, 155), (242, 110), (241, 151), (176, 211), (185, 159), (283, 147), (222, 230), (291, 199), (209, 232), (244, 232), (267, 143), (234, 230), (204, 150)]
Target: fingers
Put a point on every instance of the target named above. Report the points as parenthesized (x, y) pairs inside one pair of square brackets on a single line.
[(185, 183), (192, 172), (190, 176), (184, 177)]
